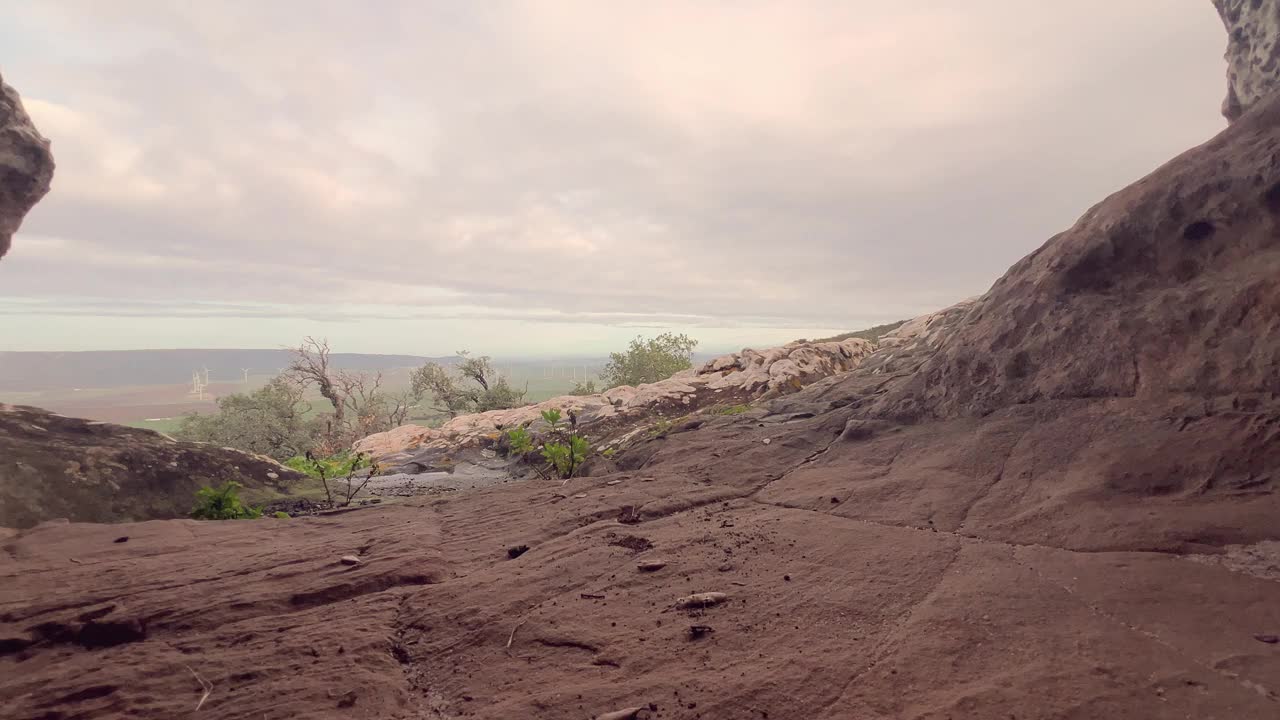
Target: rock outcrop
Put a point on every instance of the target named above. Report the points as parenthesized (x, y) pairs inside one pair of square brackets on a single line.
[(609, 418), (59, 467), (26, 165), (1253, 52)]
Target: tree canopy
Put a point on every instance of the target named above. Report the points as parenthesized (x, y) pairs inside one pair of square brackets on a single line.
[(650, 360)]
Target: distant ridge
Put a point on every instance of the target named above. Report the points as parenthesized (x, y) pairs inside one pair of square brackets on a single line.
[(26, 371)]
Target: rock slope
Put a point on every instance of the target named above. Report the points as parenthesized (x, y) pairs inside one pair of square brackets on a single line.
[(26, 165), (59, 467), (951, 530)]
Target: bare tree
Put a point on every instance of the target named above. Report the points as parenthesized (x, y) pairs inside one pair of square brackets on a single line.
[(311, 365), (361, 406)]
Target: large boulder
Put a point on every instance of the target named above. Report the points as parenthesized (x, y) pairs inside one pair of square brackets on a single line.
[(1167, 288), (54, 467), (26, 165), (1253, 52)]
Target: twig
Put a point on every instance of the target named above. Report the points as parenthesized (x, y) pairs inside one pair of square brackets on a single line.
[(512, 636), (204, 684)]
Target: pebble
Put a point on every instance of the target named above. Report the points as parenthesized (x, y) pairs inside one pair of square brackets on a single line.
[(349, 560)]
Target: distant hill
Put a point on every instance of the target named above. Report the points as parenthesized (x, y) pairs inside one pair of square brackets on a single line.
[(30, 371)]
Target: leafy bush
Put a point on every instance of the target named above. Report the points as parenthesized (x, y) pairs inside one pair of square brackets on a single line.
[(269, 421), (477, 387), (651, 360), (223, 504), (519, 441), (328, 467), (566, 457)]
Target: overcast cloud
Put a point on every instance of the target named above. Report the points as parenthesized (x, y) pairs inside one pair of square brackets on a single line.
[(546, 176)]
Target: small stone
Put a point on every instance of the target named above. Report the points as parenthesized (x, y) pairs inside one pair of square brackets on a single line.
[(121, 539), (273, 476), (766, 441), (625, 714), (650, 565), (579, 496), (349, 560), (614, 482), (701, 600)]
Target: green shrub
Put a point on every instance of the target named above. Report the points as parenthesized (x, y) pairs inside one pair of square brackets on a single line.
[(731, 410), (519, 441), (333, 466), (647, 361), (281, 515), (223, 504), (566, 457), (473, 386), (552, 417)]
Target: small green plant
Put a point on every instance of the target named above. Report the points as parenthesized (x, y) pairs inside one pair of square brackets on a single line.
[(731, 410), (609, 452), (519, 441), (661, 427), (567, 457), (328, 467), (552, 417), (223, 504), (333, 466), (281, 515)]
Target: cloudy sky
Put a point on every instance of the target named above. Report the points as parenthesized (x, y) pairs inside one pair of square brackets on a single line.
[(546, 177)]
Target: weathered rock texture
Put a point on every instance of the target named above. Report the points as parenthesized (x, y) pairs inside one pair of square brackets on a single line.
[(1056, 502), (609, 418), (59, 467), (1253, 52), (26, 165)]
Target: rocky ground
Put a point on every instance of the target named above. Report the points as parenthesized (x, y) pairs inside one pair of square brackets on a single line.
[(1056, 501)]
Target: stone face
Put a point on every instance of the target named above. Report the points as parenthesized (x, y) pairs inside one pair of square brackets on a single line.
[(26, 165), (1253, 52)]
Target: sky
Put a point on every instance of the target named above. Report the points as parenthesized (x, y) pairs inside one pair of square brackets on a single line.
[(554, 177)]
